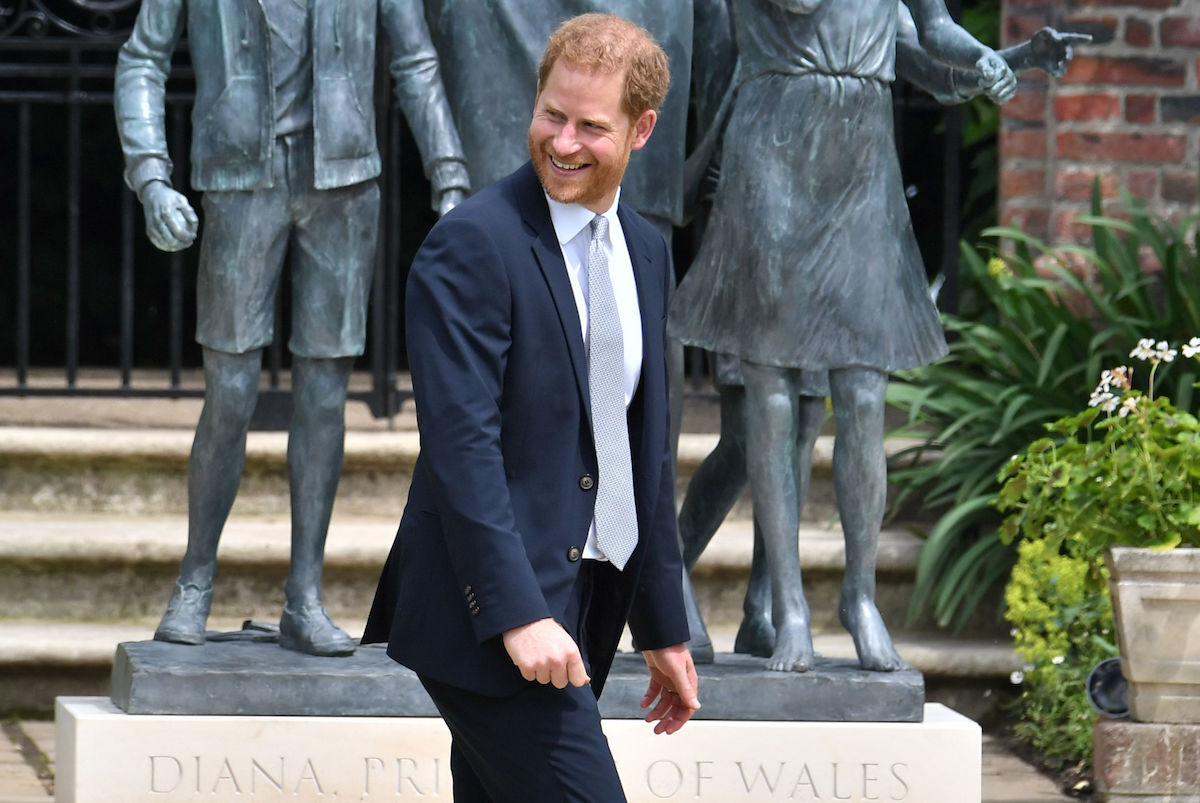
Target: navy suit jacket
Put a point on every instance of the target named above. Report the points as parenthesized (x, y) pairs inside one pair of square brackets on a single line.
[(503, 492)]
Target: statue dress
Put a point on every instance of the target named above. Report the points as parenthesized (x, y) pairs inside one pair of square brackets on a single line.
[(809, 260)]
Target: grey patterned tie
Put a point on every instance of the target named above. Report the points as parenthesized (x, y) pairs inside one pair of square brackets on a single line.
[(616, 518)]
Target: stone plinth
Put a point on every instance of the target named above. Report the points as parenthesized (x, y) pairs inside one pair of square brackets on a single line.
[(236, 678), (108, 756), (1147, 761)]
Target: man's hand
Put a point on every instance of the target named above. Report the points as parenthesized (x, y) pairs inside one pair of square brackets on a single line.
[(996, 78), (545, 652), (450, 199), (1051, 51), (171, 222), (673, 683)]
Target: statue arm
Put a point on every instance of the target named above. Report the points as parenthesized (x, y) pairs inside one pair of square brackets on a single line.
[(946, 41), (942, 37), (143, 64), (422, 97), (1048, 51)]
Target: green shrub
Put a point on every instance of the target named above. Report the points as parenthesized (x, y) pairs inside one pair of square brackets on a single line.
[(1061, 628), (1020, 358)]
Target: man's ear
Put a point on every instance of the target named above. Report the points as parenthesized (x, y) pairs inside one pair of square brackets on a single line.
[(642, 128)]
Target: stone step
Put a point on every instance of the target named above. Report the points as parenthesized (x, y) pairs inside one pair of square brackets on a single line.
[(40, 660), (57, 470), (104, 567)]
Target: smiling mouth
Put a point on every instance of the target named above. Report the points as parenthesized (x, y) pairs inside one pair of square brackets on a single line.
[(564, 166)]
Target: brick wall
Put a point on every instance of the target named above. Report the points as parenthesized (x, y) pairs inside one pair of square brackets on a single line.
[(1127, 111)]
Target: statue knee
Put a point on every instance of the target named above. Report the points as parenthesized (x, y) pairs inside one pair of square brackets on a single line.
[(231, 392), (320, 387)]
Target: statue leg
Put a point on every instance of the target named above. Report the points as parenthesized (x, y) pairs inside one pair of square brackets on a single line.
[(711, 493), (315, 446), (214, 472), (860, 478), (717, 481), (756, 635), (771, 426)]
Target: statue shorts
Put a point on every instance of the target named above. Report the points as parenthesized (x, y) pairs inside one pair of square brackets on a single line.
[(331, 237)]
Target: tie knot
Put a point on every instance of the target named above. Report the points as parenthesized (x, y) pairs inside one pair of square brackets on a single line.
[(599, 226)]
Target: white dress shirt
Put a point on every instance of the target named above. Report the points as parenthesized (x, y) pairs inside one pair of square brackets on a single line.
[(574, 235)]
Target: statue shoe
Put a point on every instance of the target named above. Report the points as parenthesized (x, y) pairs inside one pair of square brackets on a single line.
[(186, 616), (308, 629)]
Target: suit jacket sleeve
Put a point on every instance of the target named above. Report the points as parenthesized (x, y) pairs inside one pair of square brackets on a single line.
[(658, 617), (458, 308)]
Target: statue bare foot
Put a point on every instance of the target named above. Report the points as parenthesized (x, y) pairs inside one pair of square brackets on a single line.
[(871, 640), (755, 636), (793, 647)]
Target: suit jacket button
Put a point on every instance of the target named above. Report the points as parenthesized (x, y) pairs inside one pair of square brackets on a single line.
[(574, 554), (586, 482)]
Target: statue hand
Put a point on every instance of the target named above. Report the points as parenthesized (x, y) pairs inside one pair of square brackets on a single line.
[(450, 199), (996, 78), (171, 222), (1051, 51)]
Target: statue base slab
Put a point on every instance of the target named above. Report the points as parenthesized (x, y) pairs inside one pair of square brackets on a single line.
[(105, 755), (246, 677)]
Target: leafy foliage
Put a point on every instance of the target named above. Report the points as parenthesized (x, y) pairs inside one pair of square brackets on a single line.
[(1025, 349), (1128, 479), (1125, 471), (1061, 628)]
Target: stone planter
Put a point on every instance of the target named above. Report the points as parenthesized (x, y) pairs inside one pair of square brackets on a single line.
[(1156, 608)]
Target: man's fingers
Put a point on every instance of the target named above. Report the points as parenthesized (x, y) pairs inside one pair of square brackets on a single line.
[(674, 720), (576, 672), (546, 653)]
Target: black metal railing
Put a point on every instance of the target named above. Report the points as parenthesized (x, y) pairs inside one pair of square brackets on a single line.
[(80, 287), (89, 308)]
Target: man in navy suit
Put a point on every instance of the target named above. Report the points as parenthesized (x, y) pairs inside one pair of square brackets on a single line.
[(499, 591)]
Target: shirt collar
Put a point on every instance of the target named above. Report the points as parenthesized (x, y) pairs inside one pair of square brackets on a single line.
[(570, 219)]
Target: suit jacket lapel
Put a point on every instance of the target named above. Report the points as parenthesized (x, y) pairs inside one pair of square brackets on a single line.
[(640, 256), (548, 254)]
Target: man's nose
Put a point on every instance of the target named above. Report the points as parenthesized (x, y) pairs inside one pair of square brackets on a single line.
[(566, 141)]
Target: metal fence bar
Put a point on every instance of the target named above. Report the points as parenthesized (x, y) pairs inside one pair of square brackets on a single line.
[(951, 214), (127, 214), (74, 143), (24, 200)]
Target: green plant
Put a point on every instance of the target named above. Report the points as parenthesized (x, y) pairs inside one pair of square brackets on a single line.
[(1125, 471), (1037, 325), (1061, 629)]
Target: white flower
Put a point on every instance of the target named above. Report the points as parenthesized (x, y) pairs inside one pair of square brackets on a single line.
[(1192, 347), (1128, 406), (1101, 398), (1164, 352), (1017, 677), (1056, 660), (1144, 350)]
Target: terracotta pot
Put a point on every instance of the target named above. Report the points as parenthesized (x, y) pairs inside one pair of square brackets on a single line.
[(1156, 608)]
